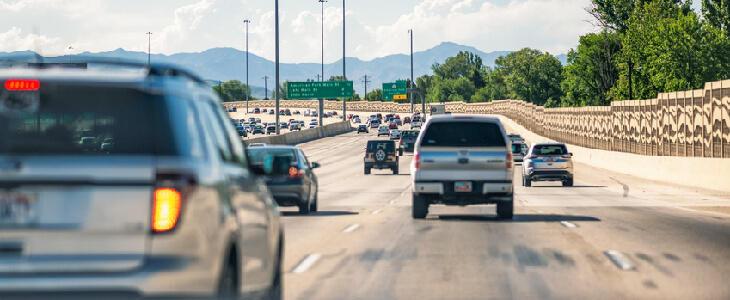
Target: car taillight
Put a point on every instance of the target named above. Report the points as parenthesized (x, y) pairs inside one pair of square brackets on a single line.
[(567, 156), (509, 160), (533, 156), (417, 161), (22, 85), (295, 173), (169, 197), (166, 209)]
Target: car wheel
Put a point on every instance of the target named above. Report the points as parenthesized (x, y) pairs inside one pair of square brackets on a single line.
[(526, 181), (420, 207), (505, 209), (304, 208), (395, 170), (313, 204), (367, 170), (228, 282), (568, 182)]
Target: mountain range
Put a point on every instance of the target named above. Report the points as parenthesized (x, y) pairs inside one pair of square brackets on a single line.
[(224, 64)]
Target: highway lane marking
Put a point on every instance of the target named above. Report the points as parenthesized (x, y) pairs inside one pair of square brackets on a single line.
[(392, 202), (619, 260), (351, 228), (375, 212), (307, 263), (538, 211), (568, 224)]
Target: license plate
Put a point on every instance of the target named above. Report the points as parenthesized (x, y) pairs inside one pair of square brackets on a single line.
[(462, 186), (18, 208)]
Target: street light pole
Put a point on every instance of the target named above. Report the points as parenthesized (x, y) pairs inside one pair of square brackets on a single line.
[(322, 1), (149, 47), (344, 76), (248, 88), (266, 87), (630, 67), (411, 32), (276, 93)]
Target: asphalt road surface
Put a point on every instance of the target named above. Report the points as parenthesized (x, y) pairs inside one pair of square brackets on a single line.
[(610, 236)]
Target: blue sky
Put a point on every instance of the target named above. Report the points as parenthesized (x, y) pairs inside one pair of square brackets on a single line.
[(375, 28)]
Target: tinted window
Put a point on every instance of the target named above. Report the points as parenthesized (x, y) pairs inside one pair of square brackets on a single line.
[(215, 132), (77, 119), (280, 159), (388, 146), (463, 134), (550, 150)]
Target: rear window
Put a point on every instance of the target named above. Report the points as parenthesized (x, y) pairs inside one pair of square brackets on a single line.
[(410, 133), (83, 119), (516, 148), (463, 134), (374, 146), (550, 150)]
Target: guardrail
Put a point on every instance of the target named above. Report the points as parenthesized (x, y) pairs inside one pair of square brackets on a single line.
[(692, 123)]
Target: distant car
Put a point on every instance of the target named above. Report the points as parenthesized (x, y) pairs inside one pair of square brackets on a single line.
[(263, 110), (271, 128), (258, 129), (397, 121), (380, 155), (548, 162), (392, 125), (395, 134), (313, 114), (252, 120), (416, 122), (518, 151), (334, 113), (107, 145), (291, 178), (406, 120), (256, 110), (312, 125), (258, 120), (383, 130), (296, 112), (295, 126), (242, 131), (356, 121), (287, 112), (515, 138), (284, 125), (362, 128), (257, 144), (271, 112), (374, 123), (408, 140)]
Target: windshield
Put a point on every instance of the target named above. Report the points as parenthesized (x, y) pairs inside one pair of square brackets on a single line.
[(463, 134)]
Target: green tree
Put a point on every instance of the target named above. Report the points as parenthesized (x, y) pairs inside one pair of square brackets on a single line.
[(448, 90), (464, 64), (717, 14), (375, 95), (592, 70), (531, 75)]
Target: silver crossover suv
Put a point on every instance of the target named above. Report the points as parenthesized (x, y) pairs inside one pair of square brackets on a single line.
[(170, 210), (548, 162)]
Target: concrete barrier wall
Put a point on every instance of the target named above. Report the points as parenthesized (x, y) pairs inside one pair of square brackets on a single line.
[(692, 123), (303, 135)]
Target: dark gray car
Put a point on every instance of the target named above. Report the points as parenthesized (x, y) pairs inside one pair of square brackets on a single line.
[(290, 178)]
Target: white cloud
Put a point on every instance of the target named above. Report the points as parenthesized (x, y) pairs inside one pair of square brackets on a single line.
[(13, 40), (187, 19)]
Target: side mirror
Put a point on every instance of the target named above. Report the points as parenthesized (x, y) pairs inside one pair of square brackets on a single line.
[(315, 165), (571, 154)]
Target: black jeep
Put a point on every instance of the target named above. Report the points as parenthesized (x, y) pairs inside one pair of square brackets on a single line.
[(382, 154)]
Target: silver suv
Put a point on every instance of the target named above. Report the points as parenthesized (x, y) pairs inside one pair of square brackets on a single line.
[(462, 160), (169, 209), (548, 162)]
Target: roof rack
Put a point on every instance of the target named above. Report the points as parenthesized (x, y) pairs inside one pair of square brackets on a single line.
[(154, 70)]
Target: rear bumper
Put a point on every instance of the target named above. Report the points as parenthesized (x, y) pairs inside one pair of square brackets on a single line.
[(165, 277), (380, 166), (289, 195), (549, 175), (483, 192)]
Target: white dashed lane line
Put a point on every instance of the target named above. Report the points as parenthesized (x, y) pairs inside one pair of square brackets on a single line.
[(621, 261), (375, 212), (568, 224), (351, 228), (307, 263)]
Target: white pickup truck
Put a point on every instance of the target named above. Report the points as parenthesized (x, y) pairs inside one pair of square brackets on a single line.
[(462, 160)]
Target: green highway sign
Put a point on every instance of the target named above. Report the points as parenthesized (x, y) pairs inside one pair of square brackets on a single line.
[(395, 90), (319, 89)]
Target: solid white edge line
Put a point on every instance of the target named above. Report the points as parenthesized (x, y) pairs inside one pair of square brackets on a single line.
[(568, 224), (307, 263), (619, 260), (351, 228)]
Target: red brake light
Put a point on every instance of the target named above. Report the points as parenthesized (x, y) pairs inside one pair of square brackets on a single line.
[(509, 160), (295, 173), (166, 209), (22, 84), (417, 161)]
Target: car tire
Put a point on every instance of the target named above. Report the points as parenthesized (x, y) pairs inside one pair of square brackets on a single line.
[(228, 282), (313, 204), (367, 170), (568, 182), (526, 181), (420, 207), (505, 209), (395, 170), (304, 208)]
